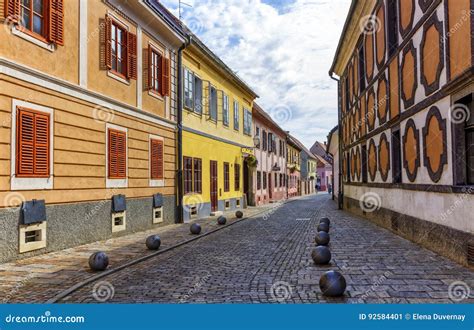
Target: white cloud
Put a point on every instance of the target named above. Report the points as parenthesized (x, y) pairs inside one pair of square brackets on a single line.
[(284, 53)]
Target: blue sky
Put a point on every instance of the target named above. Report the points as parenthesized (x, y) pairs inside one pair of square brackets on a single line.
[(283, 49)]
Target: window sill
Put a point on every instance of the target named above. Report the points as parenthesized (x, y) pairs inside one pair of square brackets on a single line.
[(17, 32), (157, 183), (115, 76), (116, 183), (21, 183), (156, 95)]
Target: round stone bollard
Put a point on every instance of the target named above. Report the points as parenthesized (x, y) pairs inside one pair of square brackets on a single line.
[(239, 214), (332, 284), (325, 220), (195, 229), (221, 220), (323, 227), (98, 261), (322, 238), (153, 242), (321, 255)]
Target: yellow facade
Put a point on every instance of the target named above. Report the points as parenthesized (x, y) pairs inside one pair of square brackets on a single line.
[(211, 139)]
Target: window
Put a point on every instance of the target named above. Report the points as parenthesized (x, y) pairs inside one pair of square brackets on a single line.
[(119, 48), (236, 116), (226, 177), (264, 141), (270, 142), (33, 14), (188, 89), (32, 237), (276, 179), (247, 122), (392, 26), (117, 154), (213, 104), (197, 175), (257, 134), (264, 175), (197, 94), (156, 159), (464, 140), (237, 177), (188, 175), (397, 157), (259, 180), (33, 145), (158, 72), (225, 110)]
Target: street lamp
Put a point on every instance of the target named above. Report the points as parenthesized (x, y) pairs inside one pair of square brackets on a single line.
[(256, 141)]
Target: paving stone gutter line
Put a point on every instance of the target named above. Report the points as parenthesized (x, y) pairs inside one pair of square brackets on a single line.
[(77, 286)]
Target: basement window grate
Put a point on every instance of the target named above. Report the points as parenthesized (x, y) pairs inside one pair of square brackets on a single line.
[(32, 236)]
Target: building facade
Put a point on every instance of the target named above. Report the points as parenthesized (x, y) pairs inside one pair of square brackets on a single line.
[(406, 116), (324, 165), (88, 110), (308, 175), (217, 135), (293, 166), (333, 151), (269, 181)]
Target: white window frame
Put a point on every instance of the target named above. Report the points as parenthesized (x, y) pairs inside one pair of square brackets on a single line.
[(31, 246), (154, 182), (225, 110), (156, 219), (17, 183), (123, 226), (115, 183), (236, 116), (188, 74)]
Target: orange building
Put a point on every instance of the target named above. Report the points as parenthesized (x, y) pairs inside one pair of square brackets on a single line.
[(405, 72)]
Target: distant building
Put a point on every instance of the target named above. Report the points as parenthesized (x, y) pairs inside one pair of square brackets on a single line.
[(269, 183), (324, 165), (333, 151), (308, 170), (293, 166)]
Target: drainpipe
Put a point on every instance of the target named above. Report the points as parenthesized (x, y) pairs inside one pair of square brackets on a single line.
[(340, 194), (179, 174)]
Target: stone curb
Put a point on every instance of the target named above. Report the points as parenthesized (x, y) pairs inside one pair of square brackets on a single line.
[(67, 292)]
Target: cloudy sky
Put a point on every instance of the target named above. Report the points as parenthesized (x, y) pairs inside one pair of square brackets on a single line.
[(283, 49)]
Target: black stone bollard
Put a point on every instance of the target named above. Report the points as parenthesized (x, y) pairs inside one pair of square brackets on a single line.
[(332, 284), (221, 220), (239, 214), (321, 255), (323, 227), (322, 238), (153, 242), (98, 261), (195, 229), (325, 220)]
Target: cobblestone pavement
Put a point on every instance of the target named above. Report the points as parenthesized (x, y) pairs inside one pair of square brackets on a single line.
[(38, 279), (267, 259)]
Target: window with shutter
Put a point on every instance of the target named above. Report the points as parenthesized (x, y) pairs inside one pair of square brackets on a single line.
[(226, 177), (188, 175), (132, 56), (12, 10), (237, 177), (56, 21), (120, 49), (32, 144), (165, 76), (157, 162), (197, 175), (154, 71), (117, 157)]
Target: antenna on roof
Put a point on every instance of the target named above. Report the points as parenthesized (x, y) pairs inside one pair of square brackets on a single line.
[(179, 7)]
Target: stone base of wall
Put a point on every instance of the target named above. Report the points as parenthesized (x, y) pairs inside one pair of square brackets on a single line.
[(443, 240), (204, 209), (70, 225)]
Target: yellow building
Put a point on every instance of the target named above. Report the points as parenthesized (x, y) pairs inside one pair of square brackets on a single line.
[(217, 134), (293, 165)]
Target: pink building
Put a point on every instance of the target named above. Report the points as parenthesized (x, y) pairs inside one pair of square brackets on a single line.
[(324, 165), (269, 177)]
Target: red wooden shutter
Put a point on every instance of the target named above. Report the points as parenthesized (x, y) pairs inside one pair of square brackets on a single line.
[(108, 42), (117, 154), (165, 76), (12, 10), (156, 151), (32, 144), (132, 55), (56, 22)]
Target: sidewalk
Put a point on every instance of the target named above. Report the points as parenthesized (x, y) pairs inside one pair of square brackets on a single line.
[(37, 279)]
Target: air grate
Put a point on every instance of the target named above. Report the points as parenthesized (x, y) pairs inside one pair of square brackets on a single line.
[(470, 254)]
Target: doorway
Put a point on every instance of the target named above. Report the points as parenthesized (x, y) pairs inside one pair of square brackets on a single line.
[(214, 180)]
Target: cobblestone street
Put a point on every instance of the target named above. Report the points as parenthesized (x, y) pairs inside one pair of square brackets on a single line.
[(267, 259)]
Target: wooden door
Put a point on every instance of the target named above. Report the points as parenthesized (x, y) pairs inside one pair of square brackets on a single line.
[(214, 180)]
